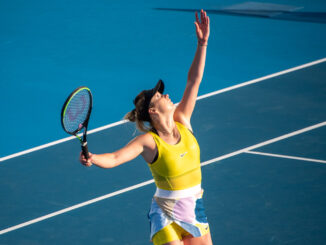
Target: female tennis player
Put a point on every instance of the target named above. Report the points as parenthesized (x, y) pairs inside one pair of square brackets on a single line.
[(169, 147)]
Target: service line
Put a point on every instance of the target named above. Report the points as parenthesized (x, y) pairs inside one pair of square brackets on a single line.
[(286, 156)]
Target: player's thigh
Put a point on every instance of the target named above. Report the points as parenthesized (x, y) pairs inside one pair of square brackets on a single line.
[(170, 235), (203, 240)]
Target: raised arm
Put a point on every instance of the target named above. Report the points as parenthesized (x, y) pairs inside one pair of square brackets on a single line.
[(187, 104)]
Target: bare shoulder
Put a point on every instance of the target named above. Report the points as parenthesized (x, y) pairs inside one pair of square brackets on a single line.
[(146, 140), (149, 146)]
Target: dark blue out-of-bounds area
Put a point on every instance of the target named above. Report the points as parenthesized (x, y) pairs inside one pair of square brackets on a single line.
[(262, 145)]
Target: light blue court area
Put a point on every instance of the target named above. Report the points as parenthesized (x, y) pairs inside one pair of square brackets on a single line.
[(264, 174), (47, 49)]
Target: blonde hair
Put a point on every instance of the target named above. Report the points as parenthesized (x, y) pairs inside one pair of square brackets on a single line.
[(136, 116), (141, 125)]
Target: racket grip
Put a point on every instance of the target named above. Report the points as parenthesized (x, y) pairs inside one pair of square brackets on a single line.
[(85, 150)]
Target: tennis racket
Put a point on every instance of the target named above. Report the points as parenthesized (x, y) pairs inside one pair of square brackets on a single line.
[(75, 115)]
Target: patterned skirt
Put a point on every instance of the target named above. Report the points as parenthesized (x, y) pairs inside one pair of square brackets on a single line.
[(184, 207)]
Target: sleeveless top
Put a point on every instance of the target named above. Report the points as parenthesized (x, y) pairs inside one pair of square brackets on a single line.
[(177, 167)]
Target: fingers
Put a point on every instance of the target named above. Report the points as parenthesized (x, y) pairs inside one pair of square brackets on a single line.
[(84, 161), (197, 19), (204, 19), (202, 26), (202, 16)]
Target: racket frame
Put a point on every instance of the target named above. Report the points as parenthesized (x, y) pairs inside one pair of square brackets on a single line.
[(83, 139)]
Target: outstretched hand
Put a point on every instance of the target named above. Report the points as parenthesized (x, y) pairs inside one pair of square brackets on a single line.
[(202, 27)]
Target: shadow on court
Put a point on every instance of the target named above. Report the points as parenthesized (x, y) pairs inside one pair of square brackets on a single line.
[(263, 10)]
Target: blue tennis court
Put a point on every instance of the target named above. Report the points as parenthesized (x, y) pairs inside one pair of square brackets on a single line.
[(260, 119)]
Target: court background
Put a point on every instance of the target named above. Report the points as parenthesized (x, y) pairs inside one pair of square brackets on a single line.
[(120, 48)]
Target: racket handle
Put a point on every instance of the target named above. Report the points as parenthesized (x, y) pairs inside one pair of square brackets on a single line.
[(85, 150)]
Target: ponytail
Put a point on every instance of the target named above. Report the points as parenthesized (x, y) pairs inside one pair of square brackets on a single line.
[(131, 116), (141, 125)]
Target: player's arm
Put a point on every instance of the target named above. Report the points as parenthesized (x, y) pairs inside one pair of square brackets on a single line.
[(187, 104), (110, 160)]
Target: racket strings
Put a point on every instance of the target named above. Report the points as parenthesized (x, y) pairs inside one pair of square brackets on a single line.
[(76, 111)]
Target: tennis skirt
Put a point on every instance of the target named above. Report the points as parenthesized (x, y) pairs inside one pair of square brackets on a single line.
[(183, 207)]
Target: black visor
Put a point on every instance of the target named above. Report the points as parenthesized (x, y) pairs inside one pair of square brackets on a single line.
[(148, 94)]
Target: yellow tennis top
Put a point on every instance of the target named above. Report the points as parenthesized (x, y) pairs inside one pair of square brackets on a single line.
[(177, 167)]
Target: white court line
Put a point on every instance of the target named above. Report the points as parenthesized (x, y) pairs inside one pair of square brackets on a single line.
[(285, 136), (262, 78), (152, 181), (286, 156), (60, 141), (76, 206), (198, 98)]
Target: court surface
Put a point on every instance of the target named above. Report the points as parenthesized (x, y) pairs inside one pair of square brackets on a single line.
[(260, 121)]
